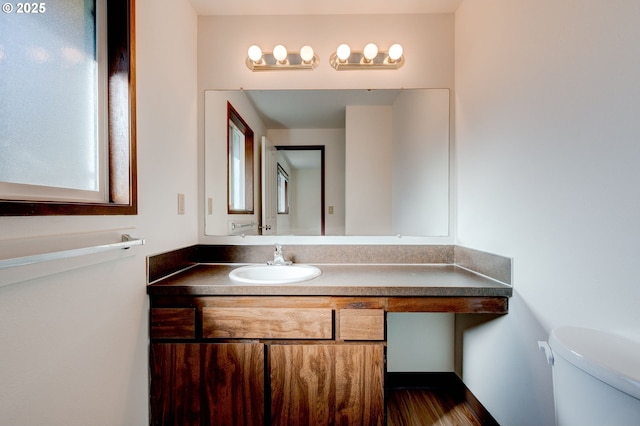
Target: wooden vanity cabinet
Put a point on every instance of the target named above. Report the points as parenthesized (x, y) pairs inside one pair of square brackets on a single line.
[(264, 360), (282, 360)]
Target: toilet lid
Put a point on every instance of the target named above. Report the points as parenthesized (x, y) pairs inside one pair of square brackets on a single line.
[(607, 357)]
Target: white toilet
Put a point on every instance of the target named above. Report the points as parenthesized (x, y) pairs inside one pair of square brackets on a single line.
[(596, 377)]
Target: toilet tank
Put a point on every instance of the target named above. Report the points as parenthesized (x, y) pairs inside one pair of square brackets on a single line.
[(596, 378)]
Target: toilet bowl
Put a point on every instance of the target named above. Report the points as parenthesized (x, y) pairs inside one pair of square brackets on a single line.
[(596, 377)]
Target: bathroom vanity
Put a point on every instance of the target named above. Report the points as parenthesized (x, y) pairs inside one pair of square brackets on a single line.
[(303, 353)]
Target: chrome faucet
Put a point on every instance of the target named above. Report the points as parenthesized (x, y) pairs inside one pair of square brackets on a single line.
[(278, 257)]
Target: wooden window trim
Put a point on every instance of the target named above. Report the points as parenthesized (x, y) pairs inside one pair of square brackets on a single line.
[(123, 194), (232, 115), (286, 191)]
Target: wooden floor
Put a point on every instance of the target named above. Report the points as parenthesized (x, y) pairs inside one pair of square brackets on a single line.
[(418, 407), (415, 399)]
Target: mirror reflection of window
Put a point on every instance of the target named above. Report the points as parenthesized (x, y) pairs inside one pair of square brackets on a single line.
[(283, 191), (240, 164), (236, 168)]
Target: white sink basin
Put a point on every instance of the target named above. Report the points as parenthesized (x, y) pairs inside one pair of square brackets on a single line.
[(274, 274)]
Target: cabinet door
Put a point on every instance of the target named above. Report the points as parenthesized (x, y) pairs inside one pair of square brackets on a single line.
[(175, 384), (327, 384), (302, 383), (233, 379), (212, 383), (359, 374)]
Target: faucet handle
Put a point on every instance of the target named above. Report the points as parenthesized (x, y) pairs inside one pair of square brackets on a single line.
[(278, 257)]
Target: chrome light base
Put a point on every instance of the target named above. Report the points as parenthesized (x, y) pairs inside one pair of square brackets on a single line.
[(293, 62), (357, 61)]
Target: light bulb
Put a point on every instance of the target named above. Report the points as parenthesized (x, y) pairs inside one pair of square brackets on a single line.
[(370, 51), (395, 52), (255, 53), (343, 52), (280, 53), (306, 53)]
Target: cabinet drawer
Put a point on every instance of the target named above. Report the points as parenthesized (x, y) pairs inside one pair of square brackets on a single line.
[(173, 323), (361, 324), (267, 323)]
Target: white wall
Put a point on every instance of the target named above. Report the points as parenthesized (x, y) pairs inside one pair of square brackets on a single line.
[(420, 341), (421, 163), (306, 202), (333, 141), (74, 344), (369, 174), (547, 101)]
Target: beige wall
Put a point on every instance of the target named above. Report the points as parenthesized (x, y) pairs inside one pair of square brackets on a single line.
[(224, 40)]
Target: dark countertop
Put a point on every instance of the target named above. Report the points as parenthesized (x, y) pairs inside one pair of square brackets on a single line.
[(417, 280)]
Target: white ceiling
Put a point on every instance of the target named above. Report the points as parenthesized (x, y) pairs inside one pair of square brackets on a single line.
[(313, 109), (322, 7), (302, 159)]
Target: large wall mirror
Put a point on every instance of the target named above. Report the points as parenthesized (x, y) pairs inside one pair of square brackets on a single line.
[(334, 162)]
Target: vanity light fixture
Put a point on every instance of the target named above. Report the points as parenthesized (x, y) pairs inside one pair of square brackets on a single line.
[(281, 59), (369, 58)]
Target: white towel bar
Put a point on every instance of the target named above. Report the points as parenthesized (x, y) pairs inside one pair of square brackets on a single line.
[(127, 242)]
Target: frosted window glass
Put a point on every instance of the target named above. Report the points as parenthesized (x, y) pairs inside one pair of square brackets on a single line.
[(48, 97), (236, 168)]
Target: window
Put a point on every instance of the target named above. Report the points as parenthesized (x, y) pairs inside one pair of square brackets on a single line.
[(283, 191), (239, 164), (67, 109)]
